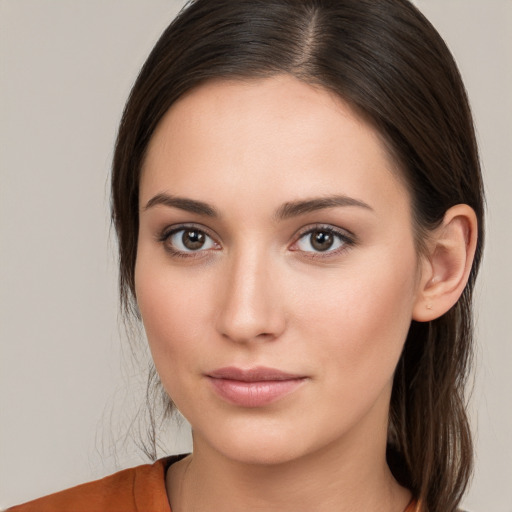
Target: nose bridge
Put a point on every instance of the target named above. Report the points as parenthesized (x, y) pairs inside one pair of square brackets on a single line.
[(251, 307)]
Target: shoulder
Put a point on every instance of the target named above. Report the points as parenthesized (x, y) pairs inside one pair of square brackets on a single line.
[(135, 489)]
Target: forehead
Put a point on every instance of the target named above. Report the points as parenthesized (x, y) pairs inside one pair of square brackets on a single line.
[(275, 136)]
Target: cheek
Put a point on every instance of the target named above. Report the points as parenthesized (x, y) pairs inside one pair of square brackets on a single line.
[(173, 318), (360, 323), (172, 310)]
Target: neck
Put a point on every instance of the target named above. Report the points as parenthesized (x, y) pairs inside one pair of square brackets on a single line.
[(346, 477)]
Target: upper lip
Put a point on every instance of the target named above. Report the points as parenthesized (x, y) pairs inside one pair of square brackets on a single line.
[(256, 374)]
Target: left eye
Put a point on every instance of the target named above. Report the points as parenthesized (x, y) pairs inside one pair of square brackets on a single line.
[(321, 240), (190, 240)]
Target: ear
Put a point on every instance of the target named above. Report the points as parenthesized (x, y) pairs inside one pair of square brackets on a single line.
[(445, 268)]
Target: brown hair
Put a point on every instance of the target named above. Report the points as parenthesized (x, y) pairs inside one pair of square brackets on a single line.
[(388, 62)]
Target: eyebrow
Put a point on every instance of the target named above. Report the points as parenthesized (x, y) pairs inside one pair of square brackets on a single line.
[(285, 211), (296, 208), (183, 203)]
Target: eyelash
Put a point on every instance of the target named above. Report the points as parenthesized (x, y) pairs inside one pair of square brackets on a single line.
[(346, 238), (168, 233)]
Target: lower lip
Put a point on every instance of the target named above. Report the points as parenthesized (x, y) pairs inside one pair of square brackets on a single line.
[(254, 394)]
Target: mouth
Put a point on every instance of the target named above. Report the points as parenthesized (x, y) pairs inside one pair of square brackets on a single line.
[(254, 387)]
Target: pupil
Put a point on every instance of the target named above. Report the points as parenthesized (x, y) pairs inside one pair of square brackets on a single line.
[(193, 239), (322, 240)]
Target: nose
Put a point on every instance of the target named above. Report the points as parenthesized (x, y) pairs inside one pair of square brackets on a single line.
[(251, 307)]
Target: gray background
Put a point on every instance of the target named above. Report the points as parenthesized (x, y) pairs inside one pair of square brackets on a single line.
[(66, 67)]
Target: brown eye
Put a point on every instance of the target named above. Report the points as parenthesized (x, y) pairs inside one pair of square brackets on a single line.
[(193, 239), (321, 240), (187, 240), (326, 240)]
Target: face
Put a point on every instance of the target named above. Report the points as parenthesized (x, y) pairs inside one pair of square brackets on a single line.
[(276, 270)]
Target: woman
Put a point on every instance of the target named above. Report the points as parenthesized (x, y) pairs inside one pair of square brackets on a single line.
[(298, 201)]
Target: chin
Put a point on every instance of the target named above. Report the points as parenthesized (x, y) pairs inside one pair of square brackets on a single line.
[(259, 443)]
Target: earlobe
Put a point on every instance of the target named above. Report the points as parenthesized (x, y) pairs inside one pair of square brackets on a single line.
[(446, 267)]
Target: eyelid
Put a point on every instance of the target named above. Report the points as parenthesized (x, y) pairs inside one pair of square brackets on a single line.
[(328, 227), (174, 228), (346, 236), (165, 234)]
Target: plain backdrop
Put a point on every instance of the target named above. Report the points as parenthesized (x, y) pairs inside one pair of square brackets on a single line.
[(66, 67)]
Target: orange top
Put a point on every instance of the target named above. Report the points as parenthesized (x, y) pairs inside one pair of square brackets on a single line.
[(412, 507), (139, 489)]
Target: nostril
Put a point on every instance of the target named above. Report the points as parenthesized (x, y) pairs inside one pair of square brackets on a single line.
[(263, 325)]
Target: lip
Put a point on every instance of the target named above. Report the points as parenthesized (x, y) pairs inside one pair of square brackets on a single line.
[(253, 387)]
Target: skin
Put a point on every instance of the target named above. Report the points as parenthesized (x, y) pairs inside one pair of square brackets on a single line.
[(258, 294)]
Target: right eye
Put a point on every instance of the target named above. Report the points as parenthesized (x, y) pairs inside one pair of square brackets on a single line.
[(185, 241)]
